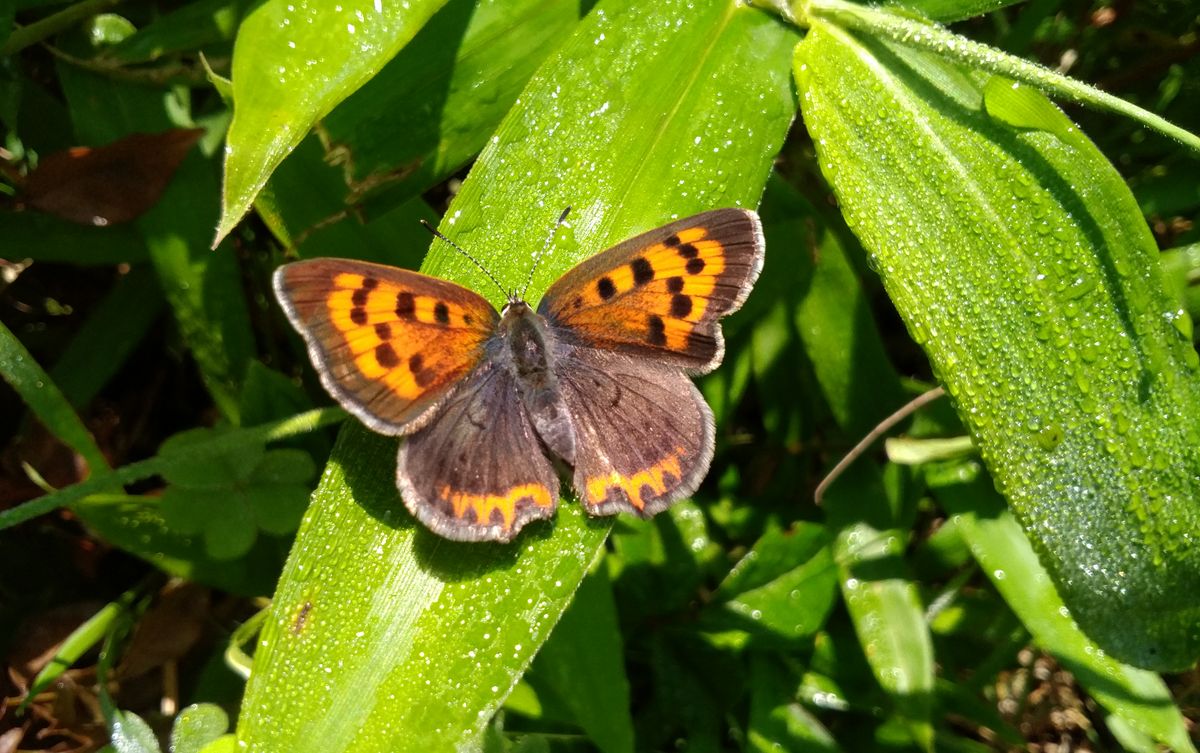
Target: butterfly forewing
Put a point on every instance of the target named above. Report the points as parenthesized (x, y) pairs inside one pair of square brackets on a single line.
[(388, 343), (661, 294), (478, 473)]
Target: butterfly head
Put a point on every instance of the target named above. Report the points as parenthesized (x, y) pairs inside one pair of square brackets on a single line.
[(515, 308), (513, 297)]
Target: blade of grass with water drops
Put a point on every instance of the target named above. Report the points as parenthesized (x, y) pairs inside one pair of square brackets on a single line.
[(293, 61), (384, 637), (1020, 262)]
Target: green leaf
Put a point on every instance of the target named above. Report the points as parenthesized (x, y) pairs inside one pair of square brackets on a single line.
[(783, 588), (136, 524), (583, 664), (949, 11), (777, 720), (223, 744), (793, 605), (183, 466), (656, 570), (1137, 696), (882, 598), (268, 395), (861, 387), (107, 29), (278, 508), (43, 28), (185, 510), (919, 34), (305, 205), (79, 642), (1181, 268), (410, 642), (145, 469), (775, 553), (228, 496), (288, 466), (185, 30), (197, 726), (446, 91), (7, 11), (293, 60), (1022, 266), (229, 529), (43, 397), (831, 313), (130, 734)]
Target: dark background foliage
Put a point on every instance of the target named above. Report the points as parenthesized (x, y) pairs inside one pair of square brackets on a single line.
[(731, 623)]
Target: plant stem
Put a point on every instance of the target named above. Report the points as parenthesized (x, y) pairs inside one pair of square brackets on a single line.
[(913, 32), (143, 469), (37, 31)]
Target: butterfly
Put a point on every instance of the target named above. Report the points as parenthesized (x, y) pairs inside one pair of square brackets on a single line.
[(597, 376)]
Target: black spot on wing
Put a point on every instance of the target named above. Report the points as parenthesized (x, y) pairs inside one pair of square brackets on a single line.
[(681, 306), (441, 313), (383, 330), (695, 266), (385, 354), (675, 284), (643, 271), (657, 332), (421, 375), (406, 305), (606, 288)]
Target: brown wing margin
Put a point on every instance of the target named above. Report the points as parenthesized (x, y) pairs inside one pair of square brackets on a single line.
[(662, 293), (388, 344)]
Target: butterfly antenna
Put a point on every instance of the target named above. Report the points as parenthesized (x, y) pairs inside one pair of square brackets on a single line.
[(458, 248), (549, 240)]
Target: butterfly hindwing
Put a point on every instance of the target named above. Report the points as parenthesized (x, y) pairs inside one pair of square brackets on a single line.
[(661, 293), (478, 473), (388, 343), (644, 435)]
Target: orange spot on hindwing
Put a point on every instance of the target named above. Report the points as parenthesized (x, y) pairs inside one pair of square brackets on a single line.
[(485, 508), (660, 479)]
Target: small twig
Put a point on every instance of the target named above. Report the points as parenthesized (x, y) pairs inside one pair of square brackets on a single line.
[(883, 427)]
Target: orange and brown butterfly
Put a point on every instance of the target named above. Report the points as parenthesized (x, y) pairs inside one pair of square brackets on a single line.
[(597, 376)]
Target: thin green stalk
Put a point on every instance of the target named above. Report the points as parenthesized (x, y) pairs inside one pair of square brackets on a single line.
[(236, 657), (913, 32), (25, 36), (128, 474), (83, 638)]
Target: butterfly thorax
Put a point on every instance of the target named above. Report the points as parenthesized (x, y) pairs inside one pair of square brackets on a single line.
[(527, 340), (529, 347)]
